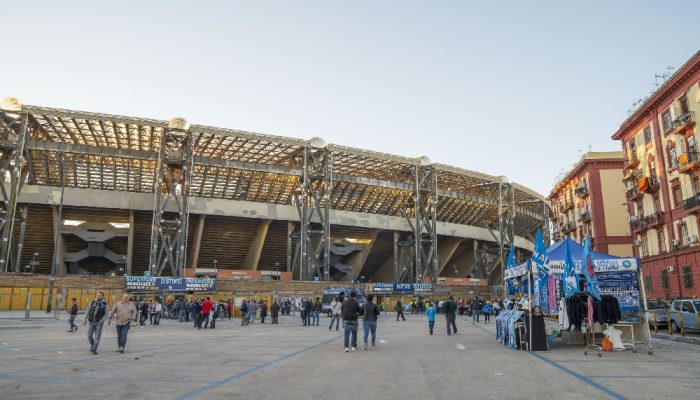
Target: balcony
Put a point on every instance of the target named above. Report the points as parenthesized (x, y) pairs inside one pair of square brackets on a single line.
[(634, 194), (649, 185), (683, 123), (688, 162), (692, 204), (585, 215), (582, 191), (567, 206), (654, 219), (637, 224), (569, 227), (631, 162)]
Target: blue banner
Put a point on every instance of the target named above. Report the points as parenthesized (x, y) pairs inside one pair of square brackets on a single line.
[(165, 284), (406, 289)]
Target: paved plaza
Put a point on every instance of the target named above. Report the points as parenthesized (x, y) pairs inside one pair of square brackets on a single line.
[(39, 360)]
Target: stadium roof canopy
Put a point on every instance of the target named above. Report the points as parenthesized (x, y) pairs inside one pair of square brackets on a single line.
[(111, 152)]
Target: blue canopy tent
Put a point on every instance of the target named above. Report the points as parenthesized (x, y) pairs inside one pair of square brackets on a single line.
[(617, 276)]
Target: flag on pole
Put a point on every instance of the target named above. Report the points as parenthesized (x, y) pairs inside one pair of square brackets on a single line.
[(588, 270), (510, 283), (539, 256), (569, 279)]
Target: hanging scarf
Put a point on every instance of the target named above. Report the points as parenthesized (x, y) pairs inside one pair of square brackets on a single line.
[(590, 312)]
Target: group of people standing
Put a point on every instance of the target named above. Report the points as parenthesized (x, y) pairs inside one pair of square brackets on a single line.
[(251, 310)]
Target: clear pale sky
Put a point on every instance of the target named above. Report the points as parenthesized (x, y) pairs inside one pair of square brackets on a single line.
[(511, 88)]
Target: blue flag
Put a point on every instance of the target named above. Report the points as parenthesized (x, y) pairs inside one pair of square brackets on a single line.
[(568, 277), (539, 256), (511, 283), (588, 270)]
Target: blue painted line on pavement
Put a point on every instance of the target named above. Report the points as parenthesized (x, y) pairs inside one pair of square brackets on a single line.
[(644, 377), (257, 368), (562, 368)]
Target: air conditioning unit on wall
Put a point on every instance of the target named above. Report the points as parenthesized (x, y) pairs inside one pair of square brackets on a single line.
[(691, 239), (670, 268), (637, 242)]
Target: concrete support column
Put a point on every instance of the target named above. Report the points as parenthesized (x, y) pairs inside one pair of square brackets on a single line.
[(61, 249), (130, 244), (357, 260), (446, 249), (256, 246), (197, 241)]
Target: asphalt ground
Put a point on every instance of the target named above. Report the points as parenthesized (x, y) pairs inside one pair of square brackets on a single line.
[(40, 360)]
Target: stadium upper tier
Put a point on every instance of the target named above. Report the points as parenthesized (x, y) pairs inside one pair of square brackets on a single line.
[(111, 152)]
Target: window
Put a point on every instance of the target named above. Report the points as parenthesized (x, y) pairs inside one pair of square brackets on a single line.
[(647, 282), (664, 279), (657, 203), (696, 184), (666, 121), (652, 169), (647, 135), (633, 150), (662, 240), (683, 103), (677, 196), (677, 305), (691, 145), (672, 159), (645, 246), (687, 277), (688, 307), (683, 231)]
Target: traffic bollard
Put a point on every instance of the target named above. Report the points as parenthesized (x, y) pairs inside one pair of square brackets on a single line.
[(27, 306), (656, 324), (680, 317)]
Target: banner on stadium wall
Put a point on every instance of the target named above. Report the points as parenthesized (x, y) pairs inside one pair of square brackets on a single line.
[(401, 288), (165, 284)]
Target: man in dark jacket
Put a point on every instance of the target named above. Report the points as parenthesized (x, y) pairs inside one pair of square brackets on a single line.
[(274, 312), (72, 314), (309, 307), (371, 312), (475, 308), (96, 314), (450, 314), (317, 311), (350, 311), (399, 309)]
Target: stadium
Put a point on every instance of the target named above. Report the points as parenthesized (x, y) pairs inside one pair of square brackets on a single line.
[(96, 194)]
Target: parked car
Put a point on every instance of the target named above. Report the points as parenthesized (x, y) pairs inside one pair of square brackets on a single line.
[(341, 293), (689, 309), (658, 308)]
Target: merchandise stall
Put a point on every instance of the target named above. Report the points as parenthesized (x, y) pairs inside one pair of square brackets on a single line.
[(614, 308)]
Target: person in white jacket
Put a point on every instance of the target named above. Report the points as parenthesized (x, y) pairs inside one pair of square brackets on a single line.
[(336, 306)]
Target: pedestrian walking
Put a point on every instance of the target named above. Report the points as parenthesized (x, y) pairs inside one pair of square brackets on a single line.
[(263, 311), (317, 311), (252, 311), (274, 312), (72, 314), (450, 314), (475, 309), (158, 312), (486, 310), (369, 324), (399, 309), (430, 312), (336, 307), (350, 311), (197, 313), (204, 314), (229, 309), (123, 312), (244, 313), (95, 314), (143, 312)]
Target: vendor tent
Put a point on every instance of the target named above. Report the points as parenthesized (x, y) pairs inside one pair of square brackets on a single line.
[(617, 276)]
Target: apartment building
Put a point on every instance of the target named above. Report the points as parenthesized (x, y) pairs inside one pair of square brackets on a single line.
[(662, 180), (590, 200)]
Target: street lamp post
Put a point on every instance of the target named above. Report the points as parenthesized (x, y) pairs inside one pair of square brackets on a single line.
[(277, 269), (216, 271)]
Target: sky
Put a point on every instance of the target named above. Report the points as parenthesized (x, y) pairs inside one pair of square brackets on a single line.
[(514, 88)]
